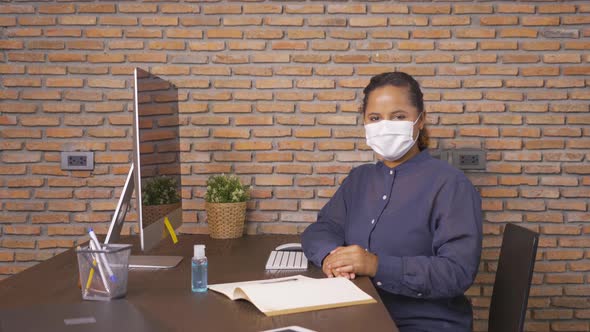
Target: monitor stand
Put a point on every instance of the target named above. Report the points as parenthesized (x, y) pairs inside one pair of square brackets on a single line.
[(114, 233)]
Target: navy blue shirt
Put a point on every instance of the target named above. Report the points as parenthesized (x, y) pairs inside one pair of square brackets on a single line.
[(423, 220)]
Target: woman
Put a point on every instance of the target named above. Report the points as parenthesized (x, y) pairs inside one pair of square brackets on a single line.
[(410, 222)]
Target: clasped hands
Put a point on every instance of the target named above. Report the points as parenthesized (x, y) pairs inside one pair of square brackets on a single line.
[(349, 262)]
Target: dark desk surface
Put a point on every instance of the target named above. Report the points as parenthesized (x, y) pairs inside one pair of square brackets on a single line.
[(166, 295)]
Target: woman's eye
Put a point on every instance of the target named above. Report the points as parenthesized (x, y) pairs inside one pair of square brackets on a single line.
[(373, 118), (399, 117)]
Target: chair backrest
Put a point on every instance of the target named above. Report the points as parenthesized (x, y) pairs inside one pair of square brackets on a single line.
[(513, 279)]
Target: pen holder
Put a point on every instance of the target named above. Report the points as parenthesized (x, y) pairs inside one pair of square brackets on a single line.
[(103, 273)]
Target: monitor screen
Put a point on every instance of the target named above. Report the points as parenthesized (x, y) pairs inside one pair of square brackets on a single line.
[(156, 157)]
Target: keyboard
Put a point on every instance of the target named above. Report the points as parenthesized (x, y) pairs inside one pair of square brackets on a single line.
[(286, 260)]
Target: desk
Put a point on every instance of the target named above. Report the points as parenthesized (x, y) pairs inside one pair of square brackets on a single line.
[(166, 295)]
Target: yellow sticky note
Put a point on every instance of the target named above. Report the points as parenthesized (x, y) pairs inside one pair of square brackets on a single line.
[(170, 230)]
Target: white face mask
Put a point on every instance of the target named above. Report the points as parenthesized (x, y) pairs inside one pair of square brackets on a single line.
[(391, 139)]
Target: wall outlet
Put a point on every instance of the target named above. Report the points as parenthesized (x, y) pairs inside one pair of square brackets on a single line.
[(469, 159), (77, 161)]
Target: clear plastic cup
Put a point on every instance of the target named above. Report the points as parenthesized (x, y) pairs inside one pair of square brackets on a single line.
[(103, 273)]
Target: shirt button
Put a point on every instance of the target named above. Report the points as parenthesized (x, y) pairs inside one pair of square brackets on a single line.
[(419, 294), (379, 283), (390, 172), (384, 197), (373, 221)]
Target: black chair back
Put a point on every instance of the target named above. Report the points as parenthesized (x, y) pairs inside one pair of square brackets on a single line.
[(513, 279)]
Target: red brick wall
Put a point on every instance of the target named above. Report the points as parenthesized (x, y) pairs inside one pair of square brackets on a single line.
[(270, 91)]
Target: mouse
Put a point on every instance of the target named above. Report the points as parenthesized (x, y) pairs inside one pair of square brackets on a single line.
[(289, 247)]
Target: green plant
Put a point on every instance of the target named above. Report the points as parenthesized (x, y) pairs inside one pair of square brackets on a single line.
[(160, 190), (226, 189)]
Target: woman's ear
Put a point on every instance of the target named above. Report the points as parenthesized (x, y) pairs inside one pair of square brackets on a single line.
[(422, 120)]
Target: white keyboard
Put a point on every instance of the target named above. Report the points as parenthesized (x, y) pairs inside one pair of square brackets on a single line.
[(286, 260)]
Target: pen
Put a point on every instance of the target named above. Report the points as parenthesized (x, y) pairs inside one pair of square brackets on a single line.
[(100, 271), (278, 281), (103, 257)]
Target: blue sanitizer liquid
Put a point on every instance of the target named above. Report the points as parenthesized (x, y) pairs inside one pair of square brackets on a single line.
[(199, 275)]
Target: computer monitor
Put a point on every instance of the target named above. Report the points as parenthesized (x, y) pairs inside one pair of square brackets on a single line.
[(155, 174)]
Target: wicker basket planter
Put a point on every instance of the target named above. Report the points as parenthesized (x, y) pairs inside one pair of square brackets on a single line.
[(226, 220)]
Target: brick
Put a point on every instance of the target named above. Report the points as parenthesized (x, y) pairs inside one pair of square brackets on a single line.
[(182, 33), (63, 32), (275, 180), (389, 9), (541, 46), (525, 83), (464, 95), (17, 243), (21, 82), (274, 156), (575, 20), (293, 169), (431, 9), (12, 218), (231, 133), (77, 20), (22, 230), (539, 20), (326, 21), (475, 33), (65, 230), (159, 21), (224, 33), (450, 20), (137, 8), (498, 45), (504, 144), (473, 9), (143, 33), (179, 8), (539, 192), (17, 9), (482, 83), (498, 20), (312, 133), (540, 71), (45, 45), (6, 256), (518, 33), (526, 205), (302, 9), (36, 20), (81, 45), (296, 145), (544, 144), (232, 84), (542, 169), (118, 20), (96, 8), (415, 45)]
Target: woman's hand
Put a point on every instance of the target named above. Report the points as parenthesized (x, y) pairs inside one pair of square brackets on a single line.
[(330, 273), (350, 261)]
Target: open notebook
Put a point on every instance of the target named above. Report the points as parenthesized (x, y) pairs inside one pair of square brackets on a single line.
[(295, 294)]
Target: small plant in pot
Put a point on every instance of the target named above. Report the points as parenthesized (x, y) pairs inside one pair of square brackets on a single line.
[(159, 197), (225, 203)]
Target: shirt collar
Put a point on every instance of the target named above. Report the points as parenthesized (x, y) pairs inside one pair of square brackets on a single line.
[(415, 160)]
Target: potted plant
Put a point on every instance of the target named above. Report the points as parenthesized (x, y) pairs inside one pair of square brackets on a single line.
[(158, 198), (225, 203)]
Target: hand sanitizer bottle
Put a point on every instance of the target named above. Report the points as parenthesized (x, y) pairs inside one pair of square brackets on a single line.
[(199, 269)]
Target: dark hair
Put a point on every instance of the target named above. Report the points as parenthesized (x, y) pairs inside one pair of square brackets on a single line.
[(399, 79)]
